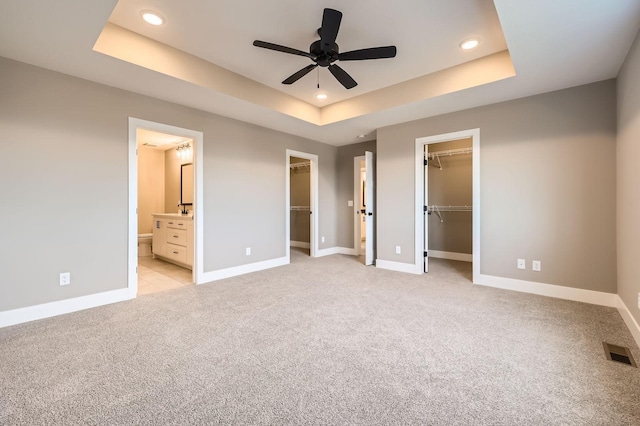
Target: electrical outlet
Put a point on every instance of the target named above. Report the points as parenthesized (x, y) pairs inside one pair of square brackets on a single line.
[(398, 250), (247, 251), (322, 239), (65, 278), (536, 265), (522, 264)]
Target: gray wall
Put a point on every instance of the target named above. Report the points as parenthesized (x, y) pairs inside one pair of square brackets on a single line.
[(346, 154), (172, 167), (628, 180), (65, 184), (451, 186), (547, 185)]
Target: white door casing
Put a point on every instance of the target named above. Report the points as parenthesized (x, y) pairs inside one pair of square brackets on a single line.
[(426, 203), (369, 207)]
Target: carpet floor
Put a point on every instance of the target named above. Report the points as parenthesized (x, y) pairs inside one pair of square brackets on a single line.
[(323, 341)]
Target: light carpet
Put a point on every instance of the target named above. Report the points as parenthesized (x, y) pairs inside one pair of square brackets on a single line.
[(323, 341)]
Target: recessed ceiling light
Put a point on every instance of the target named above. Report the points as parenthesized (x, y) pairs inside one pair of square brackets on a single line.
[(469, 43), (152, 18)]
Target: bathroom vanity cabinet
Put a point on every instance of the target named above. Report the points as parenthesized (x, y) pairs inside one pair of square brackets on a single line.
[(173, 238)]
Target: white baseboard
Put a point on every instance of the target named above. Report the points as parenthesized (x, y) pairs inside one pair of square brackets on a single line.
[(51, 309), (464, 257), (398, 266), (560, 292), (242, 269), (336, 250), (632, 324), (300, 244)]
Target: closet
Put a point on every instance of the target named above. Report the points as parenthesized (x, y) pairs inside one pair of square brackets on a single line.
[(300, 200), (448, 200)]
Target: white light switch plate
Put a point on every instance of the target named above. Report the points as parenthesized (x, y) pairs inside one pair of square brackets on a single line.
[(536, 265), (247, 251), (350, 203), (398, 250)]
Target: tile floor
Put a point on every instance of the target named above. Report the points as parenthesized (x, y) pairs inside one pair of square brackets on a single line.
[(155, 275)]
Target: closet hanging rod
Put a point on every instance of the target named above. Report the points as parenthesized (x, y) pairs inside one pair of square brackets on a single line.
[(298, 208)]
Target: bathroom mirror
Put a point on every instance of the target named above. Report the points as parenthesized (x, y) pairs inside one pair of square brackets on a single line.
[(186, 184)]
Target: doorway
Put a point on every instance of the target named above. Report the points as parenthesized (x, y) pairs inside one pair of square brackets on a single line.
[(165, 214), (301, 189), (165, 205), (364, 202), (446, 207)]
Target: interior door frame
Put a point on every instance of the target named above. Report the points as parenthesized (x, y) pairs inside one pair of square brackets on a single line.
[(313, 202), (198, 139), (474, 134), (370, 211)]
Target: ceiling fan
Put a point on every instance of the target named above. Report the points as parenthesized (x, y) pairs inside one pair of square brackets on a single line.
[(325, 52)]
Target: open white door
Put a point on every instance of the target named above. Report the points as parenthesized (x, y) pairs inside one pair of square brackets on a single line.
[(426, 207), (369, 204)]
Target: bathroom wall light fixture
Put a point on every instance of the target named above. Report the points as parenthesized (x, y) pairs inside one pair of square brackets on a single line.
[(184, 151)]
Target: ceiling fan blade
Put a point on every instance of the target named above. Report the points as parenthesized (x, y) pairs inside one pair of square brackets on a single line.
[(371, 53), (342, 76), (329, 31), (299, 74), (284, 49)]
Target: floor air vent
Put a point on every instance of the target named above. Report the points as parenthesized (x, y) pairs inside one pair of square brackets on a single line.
[(618, 354)]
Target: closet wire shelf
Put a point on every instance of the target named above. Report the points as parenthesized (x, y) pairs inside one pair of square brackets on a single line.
[(439, 209), (303, 166), (448, 153)]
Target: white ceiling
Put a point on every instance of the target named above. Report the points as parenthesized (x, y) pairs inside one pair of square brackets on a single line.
[(553, 45)]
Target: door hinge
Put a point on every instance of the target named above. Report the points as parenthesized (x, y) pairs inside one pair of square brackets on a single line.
[(426, 162), (425, 254), (426, 209)]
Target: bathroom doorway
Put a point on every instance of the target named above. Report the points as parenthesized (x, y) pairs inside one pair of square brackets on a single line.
[(163, 190), (165, 205)]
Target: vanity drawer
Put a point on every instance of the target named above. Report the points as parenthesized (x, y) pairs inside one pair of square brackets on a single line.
[(177, 236), (177, 253), (177, 224)]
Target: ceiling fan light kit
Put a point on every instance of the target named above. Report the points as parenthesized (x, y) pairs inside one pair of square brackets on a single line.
[(325, 52)]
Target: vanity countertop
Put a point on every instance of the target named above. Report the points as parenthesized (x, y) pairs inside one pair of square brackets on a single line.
[(174, 216)]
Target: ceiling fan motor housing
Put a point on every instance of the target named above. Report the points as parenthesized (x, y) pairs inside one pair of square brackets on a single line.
[(324, 59)]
